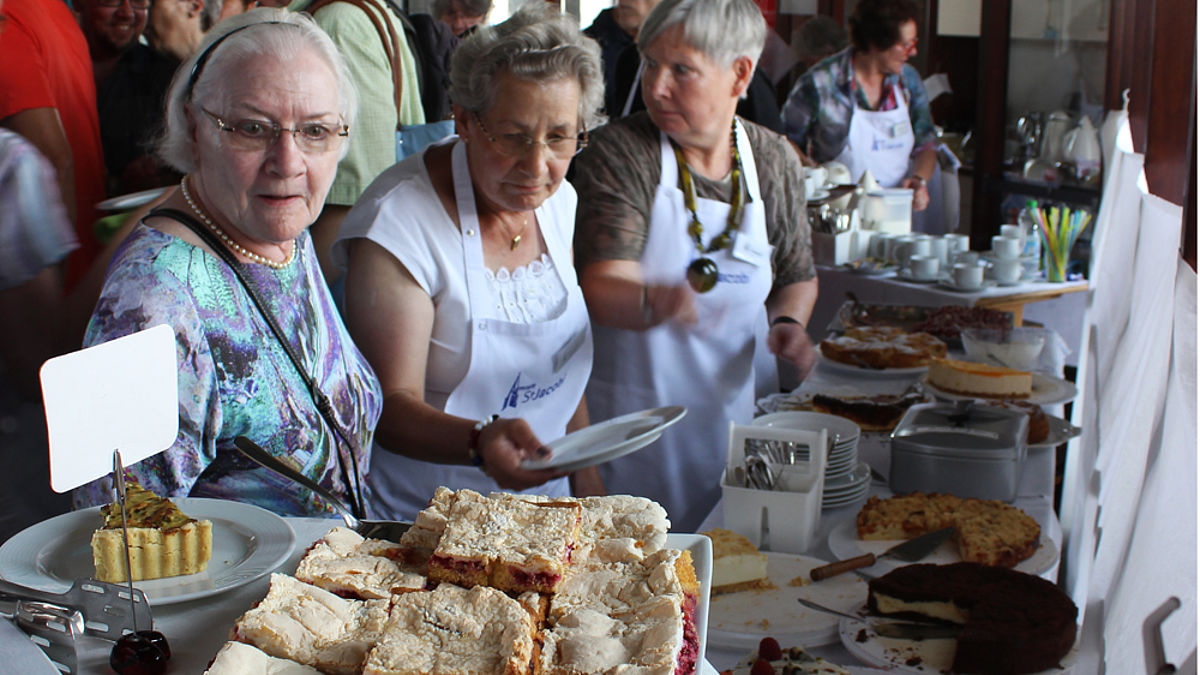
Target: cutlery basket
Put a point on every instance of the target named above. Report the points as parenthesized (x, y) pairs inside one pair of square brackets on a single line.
[(788, 514)]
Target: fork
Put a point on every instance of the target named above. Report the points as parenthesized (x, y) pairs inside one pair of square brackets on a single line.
[(390, 530)]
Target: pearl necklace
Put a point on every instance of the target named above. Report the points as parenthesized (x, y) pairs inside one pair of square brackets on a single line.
[(238, 248)]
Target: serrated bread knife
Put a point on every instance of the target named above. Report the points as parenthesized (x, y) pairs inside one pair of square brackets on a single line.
[(909, 551)]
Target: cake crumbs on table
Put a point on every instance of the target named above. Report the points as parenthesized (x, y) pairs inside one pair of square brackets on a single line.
[(800, 581)]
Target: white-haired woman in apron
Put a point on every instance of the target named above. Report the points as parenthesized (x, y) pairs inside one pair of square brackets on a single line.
[(693, 252), (460, 287)]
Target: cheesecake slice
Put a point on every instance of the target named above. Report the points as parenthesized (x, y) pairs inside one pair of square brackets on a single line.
[(979, 379), (737, 565), (163, 541)]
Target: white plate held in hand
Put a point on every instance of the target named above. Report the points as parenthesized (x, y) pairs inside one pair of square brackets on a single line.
[(607, 440)]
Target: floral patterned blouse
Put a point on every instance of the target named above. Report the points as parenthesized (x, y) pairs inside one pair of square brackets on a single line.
[(234, 377)]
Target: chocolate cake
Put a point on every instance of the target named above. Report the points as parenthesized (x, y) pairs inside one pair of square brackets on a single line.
[(1012, 622)]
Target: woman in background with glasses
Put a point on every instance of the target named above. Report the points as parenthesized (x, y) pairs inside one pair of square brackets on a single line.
[(459, 283), (257, 121), (865, 107)]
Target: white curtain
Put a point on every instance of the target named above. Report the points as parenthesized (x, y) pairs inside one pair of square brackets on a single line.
[(1129, 496)]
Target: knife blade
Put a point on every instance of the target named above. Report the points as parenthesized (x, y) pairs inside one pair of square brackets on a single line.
[(909, 551)]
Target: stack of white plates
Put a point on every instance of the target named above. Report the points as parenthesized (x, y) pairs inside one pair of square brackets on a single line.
[(846, 479)]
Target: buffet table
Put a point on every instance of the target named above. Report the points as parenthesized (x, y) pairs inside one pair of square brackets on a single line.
[(1035, 497), (1058, 306)]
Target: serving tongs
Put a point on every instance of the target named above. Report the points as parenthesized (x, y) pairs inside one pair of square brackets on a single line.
[(389, 530), (108, 609)]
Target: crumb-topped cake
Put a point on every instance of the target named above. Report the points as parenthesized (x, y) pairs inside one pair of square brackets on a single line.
[(510, 544), (622, 601), (636, 616), (882, 347), (1012, 622), (453, 631), (987, 531), (163, 541), (309, 625), (343, 562), (737, 564), (239, 658)]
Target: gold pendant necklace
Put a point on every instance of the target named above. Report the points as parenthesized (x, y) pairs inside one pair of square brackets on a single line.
[(238, 248), (514, 241)]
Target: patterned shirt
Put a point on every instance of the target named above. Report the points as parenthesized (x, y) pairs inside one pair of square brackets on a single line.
[(819, 108), (617, 175), (234, 377)]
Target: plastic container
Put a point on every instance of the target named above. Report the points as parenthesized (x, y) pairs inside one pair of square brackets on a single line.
[(961, 449), (888, 210), (784, 519), (1018, 347)]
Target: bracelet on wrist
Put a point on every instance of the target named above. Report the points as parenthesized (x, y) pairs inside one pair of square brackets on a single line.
[(919, 178), (783, 318), (473, 443)]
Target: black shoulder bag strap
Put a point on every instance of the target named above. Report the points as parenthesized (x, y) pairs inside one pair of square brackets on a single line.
[(324, 406)]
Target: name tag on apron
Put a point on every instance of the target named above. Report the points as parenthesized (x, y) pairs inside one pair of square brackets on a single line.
[(750, 251), (565, 352), (901, 129)]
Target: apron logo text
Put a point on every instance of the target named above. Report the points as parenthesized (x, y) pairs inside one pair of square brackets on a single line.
[(528, 393)]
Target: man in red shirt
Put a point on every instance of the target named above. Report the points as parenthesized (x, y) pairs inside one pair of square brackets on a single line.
[(48, 95)]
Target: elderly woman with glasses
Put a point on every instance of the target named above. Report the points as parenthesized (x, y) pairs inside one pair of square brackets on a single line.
[(694, 253), (257, 121), (459, 283)]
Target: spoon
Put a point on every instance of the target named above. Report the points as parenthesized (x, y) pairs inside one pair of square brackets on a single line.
[(390, 530)]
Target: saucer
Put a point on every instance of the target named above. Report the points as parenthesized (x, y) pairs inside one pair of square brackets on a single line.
[(949, 285), (819, 194), (906, 275)]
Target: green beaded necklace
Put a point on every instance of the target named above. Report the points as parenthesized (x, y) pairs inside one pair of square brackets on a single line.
[(702, 273)]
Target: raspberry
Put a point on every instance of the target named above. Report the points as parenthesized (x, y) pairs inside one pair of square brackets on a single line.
[(769, 649), (762, 667)]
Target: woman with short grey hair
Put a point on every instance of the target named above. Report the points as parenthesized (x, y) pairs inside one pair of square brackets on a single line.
[(258, 119), (459, 283), (693, 251)]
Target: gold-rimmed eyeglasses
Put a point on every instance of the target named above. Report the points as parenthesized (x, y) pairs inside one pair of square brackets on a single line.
[(258, 135), (518, 145)]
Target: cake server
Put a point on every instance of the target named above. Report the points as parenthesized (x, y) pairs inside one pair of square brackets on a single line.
[(903, 630), (105, 607), (909, 551), (389, 530)]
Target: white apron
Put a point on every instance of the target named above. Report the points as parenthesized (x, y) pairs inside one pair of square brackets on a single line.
[(709, 367), (881, 141), (533, 371)]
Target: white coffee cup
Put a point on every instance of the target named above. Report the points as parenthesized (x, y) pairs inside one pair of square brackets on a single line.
[(921, 246), (966, 258), (923, 267), (1011, 231), (1007, 270), (1006, 247), (814, 180), (901, 249), (877, 249), (968, 276), (956, 243), (938, 249)]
